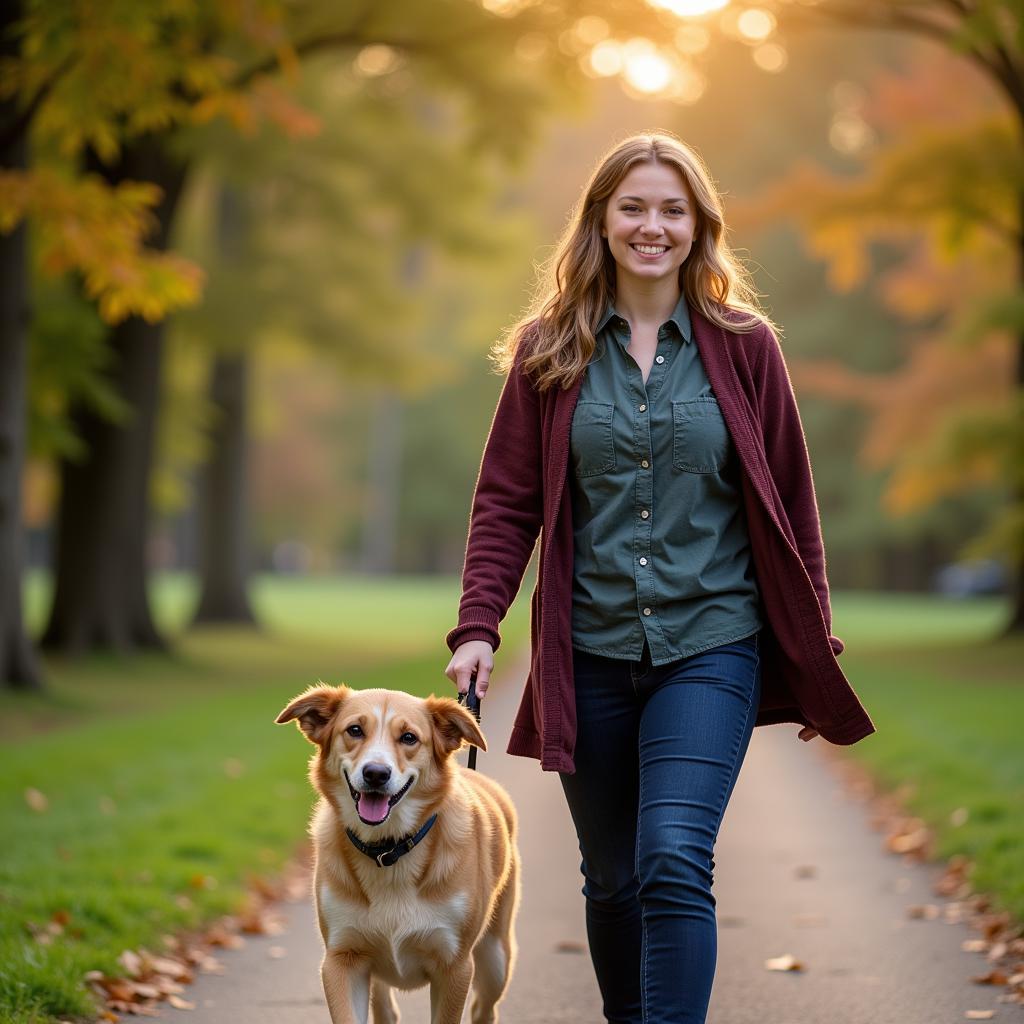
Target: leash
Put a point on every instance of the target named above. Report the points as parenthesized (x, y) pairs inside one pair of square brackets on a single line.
[(472, 704)]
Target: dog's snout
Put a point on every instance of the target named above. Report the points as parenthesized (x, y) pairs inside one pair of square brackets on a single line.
[(376, 774)]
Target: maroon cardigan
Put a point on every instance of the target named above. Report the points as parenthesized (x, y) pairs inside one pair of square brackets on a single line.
[(521, 492)]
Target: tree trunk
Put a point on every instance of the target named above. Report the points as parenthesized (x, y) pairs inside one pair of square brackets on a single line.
[(19, 667), (1016, 624), (100, 599), (224, 538), (383, 485)]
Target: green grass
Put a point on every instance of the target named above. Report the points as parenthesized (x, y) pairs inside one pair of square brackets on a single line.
[(169, 786), (948, 703)]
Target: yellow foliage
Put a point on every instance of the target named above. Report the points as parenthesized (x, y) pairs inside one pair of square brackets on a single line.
[(99, 231)]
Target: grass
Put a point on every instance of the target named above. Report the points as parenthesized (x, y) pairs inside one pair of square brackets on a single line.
[(948, 703), (168, 786)]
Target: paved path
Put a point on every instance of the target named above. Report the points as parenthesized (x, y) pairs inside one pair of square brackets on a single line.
[(865, 961)]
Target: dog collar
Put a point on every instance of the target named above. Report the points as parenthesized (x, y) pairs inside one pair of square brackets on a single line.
[(385, 854)]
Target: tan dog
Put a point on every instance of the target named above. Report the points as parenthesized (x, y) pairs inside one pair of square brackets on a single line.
[(417, 871)]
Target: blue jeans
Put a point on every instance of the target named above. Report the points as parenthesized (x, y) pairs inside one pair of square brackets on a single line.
[(658, 751)]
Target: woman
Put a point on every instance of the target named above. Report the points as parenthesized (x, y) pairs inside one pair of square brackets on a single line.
[(647, 431)]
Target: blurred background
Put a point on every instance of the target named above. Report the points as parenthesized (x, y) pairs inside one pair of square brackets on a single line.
[(253, 256)]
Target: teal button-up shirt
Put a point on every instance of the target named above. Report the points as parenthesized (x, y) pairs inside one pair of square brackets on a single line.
[(661, 547)]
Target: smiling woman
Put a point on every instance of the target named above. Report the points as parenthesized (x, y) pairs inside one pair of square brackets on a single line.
[(648, 434)]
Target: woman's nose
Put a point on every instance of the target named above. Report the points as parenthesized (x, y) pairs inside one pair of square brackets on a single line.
[(652, 226)]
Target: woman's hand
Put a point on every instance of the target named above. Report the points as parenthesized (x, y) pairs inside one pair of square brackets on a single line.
[(473, 656), (807, 733)]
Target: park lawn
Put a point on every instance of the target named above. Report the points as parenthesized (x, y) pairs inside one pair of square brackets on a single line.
[(167, 785), (948, 703)]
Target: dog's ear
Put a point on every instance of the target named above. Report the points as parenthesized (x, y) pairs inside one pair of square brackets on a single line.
[(314, 709), (453, 724)]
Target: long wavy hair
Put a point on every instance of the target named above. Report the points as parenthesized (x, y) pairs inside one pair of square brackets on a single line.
[(577, 283)]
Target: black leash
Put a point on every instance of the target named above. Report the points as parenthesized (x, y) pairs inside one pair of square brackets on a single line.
[(472, 704)]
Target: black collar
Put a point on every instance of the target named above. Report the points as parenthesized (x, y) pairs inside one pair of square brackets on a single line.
[(385, 854)]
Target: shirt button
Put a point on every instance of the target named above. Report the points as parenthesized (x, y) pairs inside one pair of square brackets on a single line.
[(647, 611), (643, 408), (645, 463), (644, 514), (643, 561), (659, 359)]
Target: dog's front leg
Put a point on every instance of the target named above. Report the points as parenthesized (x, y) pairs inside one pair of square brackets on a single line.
[(448, 991), (346, 978)]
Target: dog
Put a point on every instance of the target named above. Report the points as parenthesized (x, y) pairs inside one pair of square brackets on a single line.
[(417, 870)]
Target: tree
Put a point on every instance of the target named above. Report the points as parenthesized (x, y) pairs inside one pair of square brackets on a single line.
[(962, 187), (81, 226), (209, 61)]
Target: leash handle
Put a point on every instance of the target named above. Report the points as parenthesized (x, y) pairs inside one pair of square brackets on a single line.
[(472, 704)]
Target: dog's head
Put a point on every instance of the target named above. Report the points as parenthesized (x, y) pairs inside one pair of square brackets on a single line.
[(383, 755)]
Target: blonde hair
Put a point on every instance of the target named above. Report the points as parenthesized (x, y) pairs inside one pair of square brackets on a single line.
[(577, 283)]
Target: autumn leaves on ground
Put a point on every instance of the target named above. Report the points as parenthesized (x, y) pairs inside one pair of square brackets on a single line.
[(145, 799)]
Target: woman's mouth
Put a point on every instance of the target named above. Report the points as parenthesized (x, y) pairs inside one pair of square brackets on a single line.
[(648, 252)]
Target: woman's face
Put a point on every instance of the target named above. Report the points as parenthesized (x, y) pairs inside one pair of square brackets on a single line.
[(650, 222)]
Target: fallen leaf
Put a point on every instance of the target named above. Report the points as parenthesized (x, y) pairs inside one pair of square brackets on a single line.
[(974, 945), (994, 977), (277, 952), (37, 800), (787, 962), (570, 946), (925, 911), (980, 1014), (181, 1004)]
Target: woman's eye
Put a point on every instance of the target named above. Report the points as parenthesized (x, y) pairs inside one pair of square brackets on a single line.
[(630, 208), (409, 738), (354, 730)]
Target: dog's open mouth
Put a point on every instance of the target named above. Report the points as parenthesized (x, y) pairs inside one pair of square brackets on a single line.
[(372, 807)]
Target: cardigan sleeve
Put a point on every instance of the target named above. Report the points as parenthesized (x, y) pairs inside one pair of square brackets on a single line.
[(506, 515), (786, 449)]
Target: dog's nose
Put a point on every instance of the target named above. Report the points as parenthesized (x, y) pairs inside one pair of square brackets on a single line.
[(376, 774)]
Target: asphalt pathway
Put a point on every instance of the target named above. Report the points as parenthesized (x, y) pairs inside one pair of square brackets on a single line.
[(798, 871)]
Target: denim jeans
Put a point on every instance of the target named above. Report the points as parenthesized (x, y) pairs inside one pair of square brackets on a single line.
[(658, 751)]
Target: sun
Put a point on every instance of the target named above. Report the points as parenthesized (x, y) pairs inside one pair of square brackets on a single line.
[(689, 8)]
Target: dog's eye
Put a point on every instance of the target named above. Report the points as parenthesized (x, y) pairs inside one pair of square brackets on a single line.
[(355, 730), (409, 738)]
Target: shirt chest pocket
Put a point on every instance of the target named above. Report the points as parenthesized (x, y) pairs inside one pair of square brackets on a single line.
[(700, 439), (592, 442)]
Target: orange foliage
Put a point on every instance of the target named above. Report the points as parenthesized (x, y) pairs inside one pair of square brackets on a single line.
[(943, 185)]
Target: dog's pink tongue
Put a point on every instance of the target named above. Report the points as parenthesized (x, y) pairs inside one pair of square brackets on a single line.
[(373, 806)]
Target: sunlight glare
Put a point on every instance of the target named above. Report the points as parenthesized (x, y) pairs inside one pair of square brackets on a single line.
[(377, 59), (591, 30), (606, 59), (646, 69), (689, 8), (755, 24), (771, 57), (650, 73)]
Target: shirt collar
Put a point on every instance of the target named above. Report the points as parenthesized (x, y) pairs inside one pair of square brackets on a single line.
[(680, 317)]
